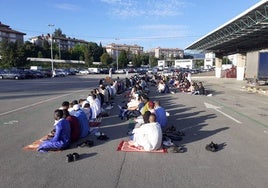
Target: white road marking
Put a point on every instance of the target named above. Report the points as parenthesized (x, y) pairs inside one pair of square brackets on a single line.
[(40, 102), (11, 122), (217, 109)]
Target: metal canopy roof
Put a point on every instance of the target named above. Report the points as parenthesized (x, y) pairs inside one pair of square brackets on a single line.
[(246, 32)]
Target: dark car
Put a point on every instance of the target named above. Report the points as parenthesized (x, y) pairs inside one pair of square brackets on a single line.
[(47, 73), (12, 74), (104, 71), (142, 71)]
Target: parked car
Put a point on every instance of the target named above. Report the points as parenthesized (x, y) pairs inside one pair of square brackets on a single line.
[(58, 73), (47, 73), (94, 70), (70, 71), (104, 71), (29, 74), (83, 71), (12, 74), (131, 70), (142, 71), (120, 71)]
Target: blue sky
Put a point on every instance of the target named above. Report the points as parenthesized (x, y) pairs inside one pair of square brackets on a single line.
[(148, 23)]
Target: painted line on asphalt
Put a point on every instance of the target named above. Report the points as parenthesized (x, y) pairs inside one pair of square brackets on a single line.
[(216, 108), (40, 102), (239, 113)]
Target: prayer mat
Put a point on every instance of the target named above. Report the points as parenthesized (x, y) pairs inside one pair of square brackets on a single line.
[(34, 146), (126, 147), (96, 122)]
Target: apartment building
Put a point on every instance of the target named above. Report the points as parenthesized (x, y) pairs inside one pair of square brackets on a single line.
[(114, 49), (64, 43), (168, 52), (11, 35)]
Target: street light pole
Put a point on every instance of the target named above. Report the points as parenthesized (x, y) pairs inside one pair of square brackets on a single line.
[(117, 54), (117, 58), (51, 48), (59, 51)]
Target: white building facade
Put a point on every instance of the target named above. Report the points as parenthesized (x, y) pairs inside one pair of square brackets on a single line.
[(168, 53), (114, 49)]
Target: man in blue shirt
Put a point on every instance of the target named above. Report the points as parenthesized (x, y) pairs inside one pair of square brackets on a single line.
[(62, 136), (83, 121), (161, 116)]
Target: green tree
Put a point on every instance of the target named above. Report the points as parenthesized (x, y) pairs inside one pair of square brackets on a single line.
[(199, 63), (144, 59), (106, 59), (46, 49), (5, 53), (78, 52), (122, 59), (20, 58), (152, 61), (58, 33), (40, 55), (88, 59), (13, 54), (136, 60)]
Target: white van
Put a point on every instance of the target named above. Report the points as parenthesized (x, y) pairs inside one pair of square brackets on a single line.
[(94, 70)]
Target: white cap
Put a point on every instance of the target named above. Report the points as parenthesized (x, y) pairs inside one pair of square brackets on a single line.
[(76, 107)]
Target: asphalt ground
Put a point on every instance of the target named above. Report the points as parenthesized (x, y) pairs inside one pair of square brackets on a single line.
[(232, 117)]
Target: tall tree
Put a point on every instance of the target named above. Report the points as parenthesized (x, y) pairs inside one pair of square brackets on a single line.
[(122, 59), (20, 56), (145, 59), (5, 53), (106, 59), (13, 54), (152, 61), (58, 33)]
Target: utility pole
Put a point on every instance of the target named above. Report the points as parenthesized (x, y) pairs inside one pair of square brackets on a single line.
[(51, 48)]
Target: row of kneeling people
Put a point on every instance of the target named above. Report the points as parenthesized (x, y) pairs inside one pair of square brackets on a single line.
[(147, 119), (73, 120)]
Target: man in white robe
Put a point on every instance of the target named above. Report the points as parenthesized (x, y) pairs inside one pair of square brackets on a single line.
[(148, 136)]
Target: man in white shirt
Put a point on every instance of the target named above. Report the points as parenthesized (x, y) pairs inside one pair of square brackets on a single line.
[(148, 136)]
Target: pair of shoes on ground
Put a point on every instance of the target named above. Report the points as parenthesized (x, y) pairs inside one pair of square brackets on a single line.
[(177, 133), (167, 142), (212, 147), (172, 136), (72, 157), (173, 130), (175, 149), (87, 143), (103, 137)]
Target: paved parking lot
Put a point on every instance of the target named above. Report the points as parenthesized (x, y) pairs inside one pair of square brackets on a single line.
[(242, 161)]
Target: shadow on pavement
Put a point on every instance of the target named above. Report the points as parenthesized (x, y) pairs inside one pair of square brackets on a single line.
[(183, 118)]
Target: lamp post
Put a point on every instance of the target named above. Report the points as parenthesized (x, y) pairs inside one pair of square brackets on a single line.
[(59, 50), (117, 58), (117, 54), (51, 48)]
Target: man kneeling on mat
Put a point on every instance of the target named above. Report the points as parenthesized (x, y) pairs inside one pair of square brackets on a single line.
[(62, 136), (148, 136)]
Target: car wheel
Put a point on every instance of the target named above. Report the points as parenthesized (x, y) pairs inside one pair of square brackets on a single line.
[(16, 77), (1, 77)]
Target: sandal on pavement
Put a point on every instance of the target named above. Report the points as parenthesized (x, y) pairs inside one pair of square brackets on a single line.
[(76, 156)]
